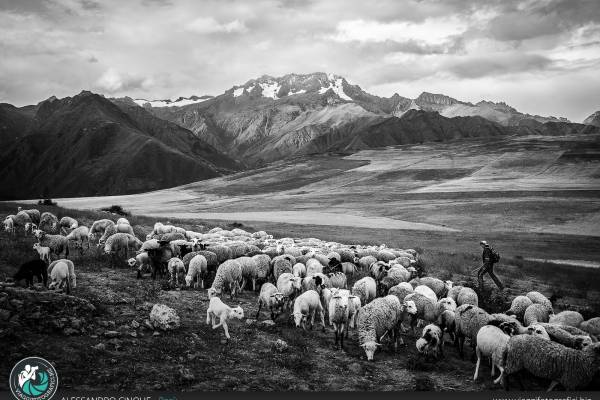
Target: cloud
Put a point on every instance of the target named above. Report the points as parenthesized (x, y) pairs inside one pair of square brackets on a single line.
[(206, 25), (111, 81), (157, 3), (497, 64)]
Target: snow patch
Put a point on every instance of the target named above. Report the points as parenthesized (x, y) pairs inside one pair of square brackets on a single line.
[(301, 91), (337, 86), (270, 89), (238, 92), (169, 103)]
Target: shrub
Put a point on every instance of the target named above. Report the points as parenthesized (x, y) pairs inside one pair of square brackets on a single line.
[(116, 209), (47, 202)]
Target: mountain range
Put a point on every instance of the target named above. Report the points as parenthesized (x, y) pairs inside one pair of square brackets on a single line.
[(91, 145)]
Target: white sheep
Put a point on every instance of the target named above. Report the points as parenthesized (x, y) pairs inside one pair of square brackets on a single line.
[(338, 280), (591, 326), (365, 289), (176, 268), (305, 307), (271, 298), (123, 221), (67, 224), (69, 278), (228, 276), (469, 319), (518, 306), (401, 290), (491, 342), (439, 287), (536, 312), (313, 266), (299, 270), (43, 251), (567, 317), (57, 243), (9, 225), (21, 220), (121, 242), (249, 271), (80, 235), (289, 285), (467, 295), (48, 223), (538, 298), (341, 311), (99, 226), (216, 308), (431, 342), (141, 262), (197, 270), (427, 292)]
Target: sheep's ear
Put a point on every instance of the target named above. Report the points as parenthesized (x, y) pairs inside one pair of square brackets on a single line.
[(378, 344)]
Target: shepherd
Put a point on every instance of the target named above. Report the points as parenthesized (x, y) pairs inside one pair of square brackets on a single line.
[(489, 256)]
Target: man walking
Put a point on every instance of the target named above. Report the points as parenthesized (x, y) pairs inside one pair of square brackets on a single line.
[(489, 257)]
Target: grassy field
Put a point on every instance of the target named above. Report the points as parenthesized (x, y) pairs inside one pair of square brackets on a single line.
[(195, 357)]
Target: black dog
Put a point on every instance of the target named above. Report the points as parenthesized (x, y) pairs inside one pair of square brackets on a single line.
[(30, 269)]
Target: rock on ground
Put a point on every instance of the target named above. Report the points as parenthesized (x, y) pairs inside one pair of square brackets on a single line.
[(164, 317)]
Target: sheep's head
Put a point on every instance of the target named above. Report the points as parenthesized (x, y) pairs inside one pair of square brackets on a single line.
[(212, 292), (410, 307), (538, 330), (277, 299), (36, 246), (299, 318), (370, 348), (413, 272), (421, 344), (237, 312), (447, 304), (188, 280), (448, 285), (38, 233), (356, 260), (296, 282), (509, 327), (131, 262), (582, 341)]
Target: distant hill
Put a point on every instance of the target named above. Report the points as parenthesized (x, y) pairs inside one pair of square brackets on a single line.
[(87, 145), (593, 119)]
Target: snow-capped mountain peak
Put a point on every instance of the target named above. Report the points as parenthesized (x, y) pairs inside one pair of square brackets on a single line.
[(176, 102)]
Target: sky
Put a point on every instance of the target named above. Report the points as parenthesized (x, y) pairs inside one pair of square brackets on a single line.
[(541, 57)]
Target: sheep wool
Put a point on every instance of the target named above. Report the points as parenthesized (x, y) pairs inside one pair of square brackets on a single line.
[(518, 306), (427, 292), (536, 313), (306, 306), (228, 276), (281, 265), (467, 296), (249, 271), (48, 222), (573, 369), (71, 270), (401, 290), (568, 317), (223, 253), (375, 319), (454, 291), (591, 326), (272, 299), (491, 342), (57, 243), (196, 271), (469, 319), (365, 262), (263, 265), (365, 289), (559, 335), (538, 298), (338, 280)]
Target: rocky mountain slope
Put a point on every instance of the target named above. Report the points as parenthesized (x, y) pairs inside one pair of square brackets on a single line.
[(88, 145), (593, 119)]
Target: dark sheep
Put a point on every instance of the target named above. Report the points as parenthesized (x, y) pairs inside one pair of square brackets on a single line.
[(30, 269)]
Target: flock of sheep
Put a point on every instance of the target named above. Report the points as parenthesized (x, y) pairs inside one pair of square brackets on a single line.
[(309, 278)]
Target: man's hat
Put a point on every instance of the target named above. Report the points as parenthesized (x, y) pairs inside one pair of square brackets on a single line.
[(484, 243)]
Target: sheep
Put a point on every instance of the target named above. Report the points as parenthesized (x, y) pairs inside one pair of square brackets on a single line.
[(80, 235), (491, 342), (349, 269), (439, 287), (263, 266), (229, 275), (562, 336), (447, 304), (538, 298), (142, 261), (591, 326), (427, 292), (447, 322), (113, 229), (57, 243), (223, 253), (467, 296), (518, 306), (160, 229), (123, 221), (21, 219), (299, 270), (341, 311), (365, 262), (9, 225), (281, 265), (535, 313), (60, 276), (99, 226), (313, 266), (34, 214), (176, 268), (120, 242), (325, 296), (454, 291), (469, 319), (271, 298), (72, 276), (211, 259), (401, 290), (30, 269), (306, 306), (43, 252), (377, 318), (67, 224), (315, 282), (196, 271), (288, 285), (571, 318), (399, 273), (48, 223), (430, 342), (365, 289), (338, 280), (385, 256), (249, 271), (426, 309), (216, 308), (573, 369), (378, 270)]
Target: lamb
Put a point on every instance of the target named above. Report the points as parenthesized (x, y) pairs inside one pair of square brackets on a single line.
[(491, 342), (571, 318), (341, 310), (30, 269), (229, 275), (306, 306), (176, 268), (271, 298), (80, 235), (467, 296), (196, 271), (44, 252), (365, 289), (573, 369), (67, 224), (591, 326), (427, 292), (216, 308), (439, 287), (48, 223), (142, 261), (469, 319), (71, 268), (401, 290), (288, 285), (377, 318), (430, 342), (538, 298), (57, 243), (338, 280), (518, 306), (120, 242), (536, 313)]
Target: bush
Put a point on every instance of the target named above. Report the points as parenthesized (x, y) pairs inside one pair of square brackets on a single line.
[(47, 202), (116, 209)]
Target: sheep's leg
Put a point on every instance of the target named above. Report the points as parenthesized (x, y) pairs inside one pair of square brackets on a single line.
[(207, 317), (224, 323), (335, 331), (500, 376), (493, 368), (323, 323), (243, 284), (552, 385), (254, 284), (68, 286), (461, 347), (258, 312), (477, 365)]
